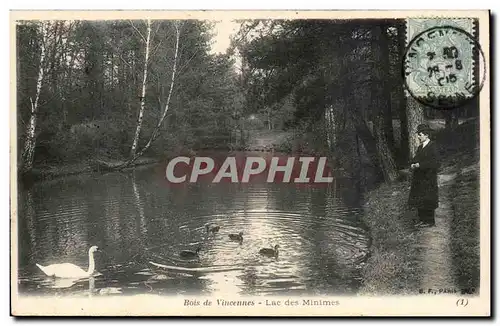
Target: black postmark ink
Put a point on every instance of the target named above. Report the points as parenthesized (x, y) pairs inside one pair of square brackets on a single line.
[(444, 67)]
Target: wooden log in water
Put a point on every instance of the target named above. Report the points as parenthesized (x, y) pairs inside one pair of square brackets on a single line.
[(197, 269), (100, 164)]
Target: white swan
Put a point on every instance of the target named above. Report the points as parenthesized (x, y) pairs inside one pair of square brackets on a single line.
[(68, 270)]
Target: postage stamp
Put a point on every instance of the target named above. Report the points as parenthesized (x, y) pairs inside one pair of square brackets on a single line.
[(444, 64), (250, 163)]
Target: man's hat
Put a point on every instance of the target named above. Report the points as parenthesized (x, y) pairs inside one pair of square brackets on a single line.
[(424, 128)]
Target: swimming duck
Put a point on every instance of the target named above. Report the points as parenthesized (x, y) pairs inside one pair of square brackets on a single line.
[(269, 251), (212, 228), (189, 253), (68, 270), (236, 237)]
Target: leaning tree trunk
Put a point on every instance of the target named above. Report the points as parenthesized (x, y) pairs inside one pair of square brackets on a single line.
[(30, 140), (143, 93), (369, 142)]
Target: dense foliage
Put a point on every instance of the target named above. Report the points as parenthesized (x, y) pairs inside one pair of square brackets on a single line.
[(343, 80), (90, 93)]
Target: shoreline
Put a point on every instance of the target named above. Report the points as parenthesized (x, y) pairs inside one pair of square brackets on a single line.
[(390, 267), (48, 172)]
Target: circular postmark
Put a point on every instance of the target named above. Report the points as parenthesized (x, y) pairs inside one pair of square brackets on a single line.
[(443, 67)]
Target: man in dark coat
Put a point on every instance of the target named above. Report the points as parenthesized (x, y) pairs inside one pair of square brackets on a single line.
[(424, 187)]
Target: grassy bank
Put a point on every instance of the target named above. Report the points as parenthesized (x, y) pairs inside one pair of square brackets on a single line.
[(465, 229), (392, 267)]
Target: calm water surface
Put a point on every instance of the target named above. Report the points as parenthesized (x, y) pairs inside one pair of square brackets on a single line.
[(136, 219)]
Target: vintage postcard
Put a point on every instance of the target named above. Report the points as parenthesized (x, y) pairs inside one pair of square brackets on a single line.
[(250, 163)]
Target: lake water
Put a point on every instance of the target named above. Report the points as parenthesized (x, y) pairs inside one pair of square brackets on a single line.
[(137, 219)]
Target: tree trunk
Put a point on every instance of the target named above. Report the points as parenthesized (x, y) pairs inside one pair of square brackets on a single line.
[(112, 82), (382, 115), (269, 118), (69, 81), (414, 110), (404, 152), (398, 94), (385, 155), (30, 140), (52, 59), (368, 140), (388, 128), (143, 94), (384, 62), (359, 169), (451, 119), (415, 115)]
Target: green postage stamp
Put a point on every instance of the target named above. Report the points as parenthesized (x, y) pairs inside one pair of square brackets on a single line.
[(444, 64)]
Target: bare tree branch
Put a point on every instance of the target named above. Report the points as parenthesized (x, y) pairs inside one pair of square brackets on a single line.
[(143, 94), (125, 62), (189, 60), (156, 32), (138, 31)]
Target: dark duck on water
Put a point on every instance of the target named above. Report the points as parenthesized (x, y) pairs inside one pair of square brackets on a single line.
[(236, 237), (189, 253), (213, 228), (270, 251)]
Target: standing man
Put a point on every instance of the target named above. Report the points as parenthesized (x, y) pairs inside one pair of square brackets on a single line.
[(424, 187)]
